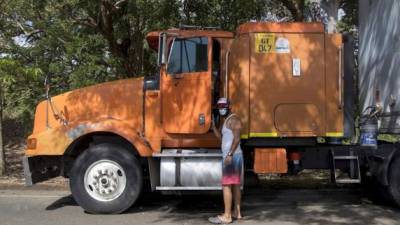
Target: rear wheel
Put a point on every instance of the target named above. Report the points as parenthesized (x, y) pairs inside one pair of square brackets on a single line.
[(394, 181), (375, 191), (106, 178)]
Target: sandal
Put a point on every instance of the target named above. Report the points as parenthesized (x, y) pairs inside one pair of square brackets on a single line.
[(235, 218), (218, 220)]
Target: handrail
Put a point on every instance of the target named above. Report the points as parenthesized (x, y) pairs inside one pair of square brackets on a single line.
[(340, 77), (226, 73)]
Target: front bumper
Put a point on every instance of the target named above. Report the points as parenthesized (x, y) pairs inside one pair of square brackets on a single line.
[(41, 168)]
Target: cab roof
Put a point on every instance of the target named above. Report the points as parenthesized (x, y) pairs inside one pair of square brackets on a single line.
[(257, 27), (152, 37), (251, 27)]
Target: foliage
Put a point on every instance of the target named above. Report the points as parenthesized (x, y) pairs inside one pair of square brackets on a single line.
[(350, 20), (19, 99)]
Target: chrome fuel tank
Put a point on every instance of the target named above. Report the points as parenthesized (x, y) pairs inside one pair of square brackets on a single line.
[(191, 169)]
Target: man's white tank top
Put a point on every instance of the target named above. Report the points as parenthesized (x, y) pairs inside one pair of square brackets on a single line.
[(227, 139)]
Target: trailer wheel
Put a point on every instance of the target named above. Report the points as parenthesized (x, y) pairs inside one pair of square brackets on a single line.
[(394, 181), (106, 179), (375, 191)]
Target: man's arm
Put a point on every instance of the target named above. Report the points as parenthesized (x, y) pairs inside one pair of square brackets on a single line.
[(216, 131)]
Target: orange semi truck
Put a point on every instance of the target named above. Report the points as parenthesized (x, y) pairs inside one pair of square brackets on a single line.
[(286, 82)]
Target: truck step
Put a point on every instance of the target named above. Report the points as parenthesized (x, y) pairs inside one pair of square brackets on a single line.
[(348, 181), (346, 157), (354, 168)]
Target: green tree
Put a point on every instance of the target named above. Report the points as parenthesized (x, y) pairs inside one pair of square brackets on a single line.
[(350, 19), (123, 24)]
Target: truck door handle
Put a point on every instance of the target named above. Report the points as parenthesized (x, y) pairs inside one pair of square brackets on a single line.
[(202, 119)]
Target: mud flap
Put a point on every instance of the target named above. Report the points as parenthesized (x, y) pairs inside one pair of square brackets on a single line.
[(41, 168)]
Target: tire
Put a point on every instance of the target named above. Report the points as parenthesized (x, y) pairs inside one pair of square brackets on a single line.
[(376, 192), (394, 181), (106, 179)]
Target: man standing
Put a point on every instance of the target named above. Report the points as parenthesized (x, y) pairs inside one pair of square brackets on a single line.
[(232, 164)]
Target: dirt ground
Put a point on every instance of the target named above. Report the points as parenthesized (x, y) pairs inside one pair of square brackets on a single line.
[(14, 151)]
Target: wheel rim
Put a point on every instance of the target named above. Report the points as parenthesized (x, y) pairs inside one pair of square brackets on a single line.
[(105, 180)]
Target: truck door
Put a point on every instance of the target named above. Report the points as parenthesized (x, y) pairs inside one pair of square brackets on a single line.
[(186, 87)]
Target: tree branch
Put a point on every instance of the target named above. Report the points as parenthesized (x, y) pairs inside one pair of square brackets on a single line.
[(33, 33), (113, 7), (29, 34), (3, 3), (295, 7), (89, 21), (118, 4)]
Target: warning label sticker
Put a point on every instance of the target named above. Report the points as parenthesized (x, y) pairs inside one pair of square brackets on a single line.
[(265, 43), (282, 45)]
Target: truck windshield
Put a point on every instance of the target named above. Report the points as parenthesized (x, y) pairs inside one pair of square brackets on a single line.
[(188, 55)]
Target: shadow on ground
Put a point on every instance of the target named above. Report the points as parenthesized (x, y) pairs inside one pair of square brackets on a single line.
[(264, 205), (62, 202)]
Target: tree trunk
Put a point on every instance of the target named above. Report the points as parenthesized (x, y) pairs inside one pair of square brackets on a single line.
[(331, 8), (2, 154), (296, 8), (186, 12)]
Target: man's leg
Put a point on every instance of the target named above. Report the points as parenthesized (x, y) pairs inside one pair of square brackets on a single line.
[(237, 197), (227, 192), (226, 217)]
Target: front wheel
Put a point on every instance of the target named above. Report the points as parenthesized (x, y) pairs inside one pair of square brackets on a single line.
[(106, 178)]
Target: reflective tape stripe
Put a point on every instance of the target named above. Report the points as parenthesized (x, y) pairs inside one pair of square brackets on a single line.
[(270, 134), (334, 134)]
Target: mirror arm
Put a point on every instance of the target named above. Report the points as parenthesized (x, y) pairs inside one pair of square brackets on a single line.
[(162, 42), (164, 54)]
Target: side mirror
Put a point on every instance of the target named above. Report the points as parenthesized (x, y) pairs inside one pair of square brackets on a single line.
[(162, 49)]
